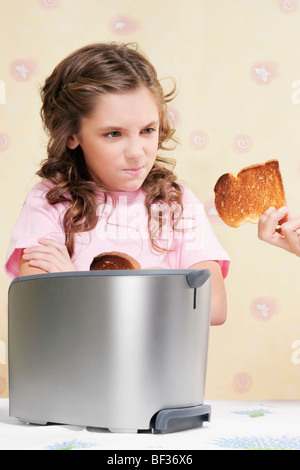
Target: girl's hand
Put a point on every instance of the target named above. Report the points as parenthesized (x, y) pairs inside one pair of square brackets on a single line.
[(50, 256), (218, 292), (275, 228)]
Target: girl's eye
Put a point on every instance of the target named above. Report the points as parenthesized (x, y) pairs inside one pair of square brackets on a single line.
[(148, 130), (112, 135)]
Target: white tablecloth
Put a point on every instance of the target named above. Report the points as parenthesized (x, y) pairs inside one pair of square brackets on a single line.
[(234, 425)]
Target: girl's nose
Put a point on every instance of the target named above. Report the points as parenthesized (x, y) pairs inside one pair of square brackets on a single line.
[(134, 149)]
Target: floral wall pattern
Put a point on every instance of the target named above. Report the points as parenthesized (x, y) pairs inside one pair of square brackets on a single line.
[(237, 68)]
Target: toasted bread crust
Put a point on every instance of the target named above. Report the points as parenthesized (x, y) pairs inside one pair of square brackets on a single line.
[(245, 197), (113, 261)]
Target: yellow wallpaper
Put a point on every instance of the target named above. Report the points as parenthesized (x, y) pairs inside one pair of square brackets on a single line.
[(237, 66)]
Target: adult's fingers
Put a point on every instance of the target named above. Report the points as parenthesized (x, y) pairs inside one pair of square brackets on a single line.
[(290, 231), (268, 223)]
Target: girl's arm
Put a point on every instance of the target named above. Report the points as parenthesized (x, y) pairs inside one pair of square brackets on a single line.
[(218, 292), (48, 257), (25, 269)]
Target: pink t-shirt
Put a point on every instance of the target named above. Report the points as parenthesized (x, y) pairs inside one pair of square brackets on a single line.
[(123, 229)]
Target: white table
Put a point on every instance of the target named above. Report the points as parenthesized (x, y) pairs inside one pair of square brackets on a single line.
[(234, 425)]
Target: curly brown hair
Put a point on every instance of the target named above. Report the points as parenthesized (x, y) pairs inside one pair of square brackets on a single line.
[(68, 96)]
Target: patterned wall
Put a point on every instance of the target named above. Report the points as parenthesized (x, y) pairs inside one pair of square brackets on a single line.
[(237, 66)]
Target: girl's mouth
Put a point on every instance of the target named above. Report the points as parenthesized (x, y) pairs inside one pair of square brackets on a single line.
[(134, 171)]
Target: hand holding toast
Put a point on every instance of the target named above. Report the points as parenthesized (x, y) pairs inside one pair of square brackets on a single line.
[(275, 228), (256, 194)]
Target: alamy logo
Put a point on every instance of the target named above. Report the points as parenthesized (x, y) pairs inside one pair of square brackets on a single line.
[(166, 223), (296, 92), (2, 92), (2, 352), (296, 353)]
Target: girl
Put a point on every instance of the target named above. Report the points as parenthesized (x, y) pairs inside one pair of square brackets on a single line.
[(104, 187)]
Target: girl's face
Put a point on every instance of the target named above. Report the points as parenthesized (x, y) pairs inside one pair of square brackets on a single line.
[(120, 139)]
